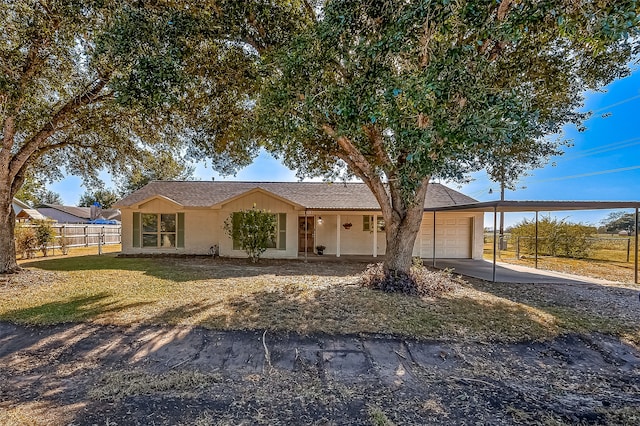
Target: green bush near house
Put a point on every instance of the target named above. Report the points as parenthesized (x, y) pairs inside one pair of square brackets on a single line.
[(45, 235), (252, 231)]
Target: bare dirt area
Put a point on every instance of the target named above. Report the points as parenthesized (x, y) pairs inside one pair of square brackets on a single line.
[(85, 374)]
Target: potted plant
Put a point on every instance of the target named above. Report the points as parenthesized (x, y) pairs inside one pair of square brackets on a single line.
[(320, 249), (347, 225)]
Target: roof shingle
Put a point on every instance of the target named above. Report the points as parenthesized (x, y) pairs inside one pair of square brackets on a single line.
[(310, 195)]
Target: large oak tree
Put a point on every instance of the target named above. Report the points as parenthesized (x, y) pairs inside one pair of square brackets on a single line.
[(91, 84), (399, 92)]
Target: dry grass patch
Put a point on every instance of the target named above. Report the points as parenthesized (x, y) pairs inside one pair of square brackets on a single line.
[(318, 297), (36, 414), (120, 384)]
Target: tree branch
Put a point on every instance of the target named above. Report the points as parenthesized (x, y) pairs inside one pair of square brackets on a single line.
[(503, 9), (35, 142), (378, 149), (309, 8), (362, 168)]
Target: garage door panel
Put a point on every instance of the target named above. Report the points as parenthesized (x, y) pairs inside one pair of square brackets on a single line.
[(453, 237)]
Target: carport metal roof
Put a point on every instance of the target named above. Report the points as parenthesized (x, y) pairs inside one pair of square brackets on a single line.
[(539, 206)]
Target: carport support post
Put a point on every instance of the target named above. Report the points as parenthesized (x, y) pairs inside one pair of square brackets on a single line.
[(536, 256), (495, 224), (635, 265), (306, 229)]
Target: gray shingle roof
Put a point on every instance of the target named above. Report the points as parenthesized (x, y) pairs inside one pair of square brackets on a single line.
[(80, 212), (310, 195)]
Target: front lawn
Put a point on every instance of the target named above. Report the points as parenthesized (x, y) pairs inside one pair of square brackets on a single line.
[(317, 297)]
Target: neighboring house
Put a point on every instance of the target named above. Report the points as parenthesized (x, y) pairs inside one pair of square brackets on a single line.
[(18, 206), (72, 214), (29, 215), (188, 217)]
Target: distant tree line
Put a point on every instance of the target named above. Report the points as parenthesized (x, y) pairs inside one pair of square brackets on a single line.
[(617, 222)]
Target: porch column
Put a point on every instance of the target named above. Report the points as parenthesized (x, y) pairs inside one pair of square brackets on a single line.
[(433, 253), (306, 228), (338, 235), (375, 235)]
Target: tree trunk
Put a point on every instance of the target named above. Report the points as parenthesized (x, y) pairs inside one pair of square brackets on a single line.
[(8, 263), (401, 237)]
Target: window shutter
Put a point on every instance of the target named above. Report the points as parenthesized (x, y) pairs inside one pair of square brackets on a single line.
[(282, 231), (366, 223), (136, 229), (180, 230), (235, 223)]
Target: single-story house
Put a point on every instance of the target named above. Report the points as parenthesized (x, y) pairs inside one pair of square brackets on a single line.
[(29, 215), (18, 205), (73, 214), (188, 216)]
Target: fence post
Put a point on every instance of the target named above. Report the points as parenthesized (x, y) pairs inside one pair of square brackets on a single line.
[(518, 248), (628, 250), (86, 236), (100, 241)]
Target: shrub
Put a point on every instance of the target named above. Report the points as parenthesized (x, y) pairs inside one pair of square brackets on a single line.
[(26, 241), (45, 236), (555, 237), (420, 281), (64, 243), (253, 230)]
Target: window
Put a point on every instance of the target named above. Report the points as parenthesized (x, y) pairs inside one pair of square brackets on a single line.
[(368, 220), (158, 230)]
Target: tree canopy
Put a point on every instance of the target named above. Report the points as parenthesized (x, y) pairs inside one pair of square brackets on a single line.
[(87, 85), (158, 165), (397, 93), (620, 221), (105, 197), (34, 192)]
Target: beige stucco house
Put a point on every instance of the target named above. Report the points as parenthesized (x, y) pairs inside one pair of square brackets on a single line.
[(188, 217)]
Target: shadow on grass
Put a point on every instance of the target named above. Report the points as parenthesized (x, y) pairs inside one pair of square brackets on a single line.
[(69, 310), (350, 310), (193, 269)]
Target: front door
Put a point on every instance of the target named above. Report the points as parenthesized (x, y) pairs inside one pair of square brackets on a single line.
[(305, 234)]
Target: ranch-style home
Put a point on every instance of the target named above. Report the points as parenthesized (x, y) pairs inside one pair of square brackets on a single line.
[(188, 217)]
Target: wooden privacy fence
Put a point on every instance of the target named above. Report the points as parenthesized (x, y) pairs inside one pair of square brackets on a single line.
[(86, 235)]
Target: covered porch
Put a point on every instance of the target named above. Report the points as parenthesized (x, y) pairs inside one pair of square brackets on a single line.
[(340, 233), (456, 235)]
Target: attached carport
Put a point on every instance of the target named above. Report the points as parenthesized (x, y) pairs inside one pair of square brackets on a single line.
[(537, 207)]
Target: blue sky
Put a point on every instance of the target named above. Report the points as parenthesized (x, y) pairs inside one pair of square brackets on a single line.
[(603, 164)]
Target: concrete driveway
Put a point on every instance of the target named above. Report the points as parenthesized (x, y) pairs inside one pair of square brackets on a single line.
[(508, 273)]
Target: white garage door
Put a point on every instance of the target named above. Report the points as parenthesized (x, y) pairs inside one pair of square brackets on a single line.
[(453, 236)]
